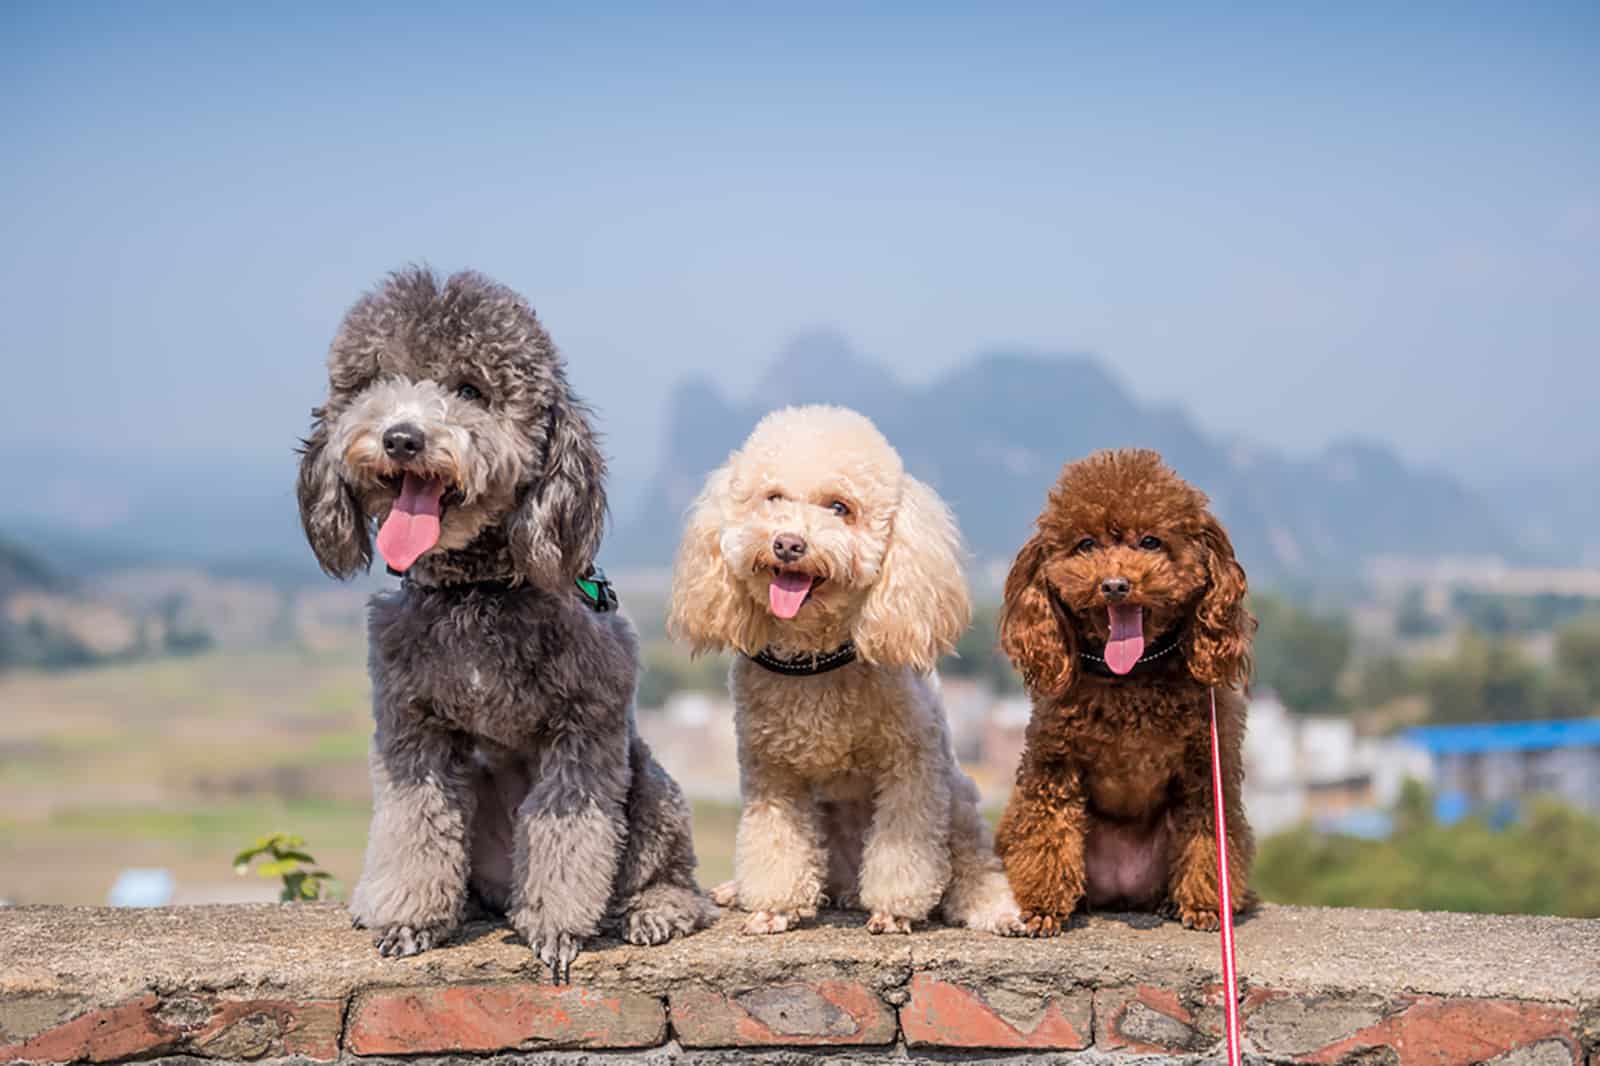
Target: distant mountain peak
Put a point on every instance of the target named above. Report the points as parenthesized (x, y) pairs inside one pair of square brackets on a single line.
[(821, 365), (992, 433)]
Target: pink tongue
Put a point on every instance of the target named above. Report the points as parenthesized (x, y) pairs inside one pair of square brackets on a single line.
[(1127, 637), (413, 523), (787, 593)]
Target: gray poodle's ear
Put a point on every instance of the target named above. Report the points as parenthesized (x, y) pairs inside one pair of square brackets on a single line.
[(329, 512), (555, 532)]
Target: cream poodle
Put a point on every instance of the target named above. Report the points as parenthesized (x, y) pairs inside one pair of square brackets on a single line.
[(836, 577)]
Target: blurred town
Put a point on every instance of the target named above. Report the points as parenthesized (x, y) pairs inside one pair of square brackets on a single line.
[(157, 719)]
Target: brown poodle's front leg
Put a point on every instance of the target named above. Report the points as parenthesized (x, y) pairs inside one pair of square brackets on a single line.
[(1040, 839), (1193, 894)]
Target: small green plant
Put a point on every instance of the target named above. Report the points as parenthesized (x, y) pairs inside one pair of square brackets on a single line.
[(301, 881)]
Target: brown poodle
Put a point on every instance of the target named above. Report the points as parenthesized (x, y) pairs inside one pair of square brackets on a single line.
[(1123, 612)]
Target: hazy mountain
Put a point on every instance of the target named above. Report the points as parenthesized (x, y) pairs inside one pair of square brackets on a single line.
[(992, 435)]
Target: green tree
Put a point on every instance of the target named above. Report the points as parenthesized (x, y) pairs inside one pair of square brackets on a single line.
[(1299, 654), (978, 653), (1486, 680), (1577, 657), (1548, 863)]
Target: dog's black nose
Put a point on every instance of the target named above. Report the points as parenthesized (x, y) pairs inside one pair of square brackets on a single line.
[(788, 547), (1115, 588), (403, 442)]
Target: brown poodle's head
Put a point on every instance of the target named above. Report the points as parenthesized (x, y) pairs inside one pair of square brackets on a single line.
[(1126, 561), (812, 533)]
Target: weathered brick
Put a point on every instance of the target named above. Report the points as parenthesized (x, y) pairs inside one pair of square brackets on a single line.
[(1420, 1031), (941, 1014), (1147, 1019), (496, 1017), (1543, 1053), (106, 1034), (209, 1026), (269, 1028), (819, 1012)]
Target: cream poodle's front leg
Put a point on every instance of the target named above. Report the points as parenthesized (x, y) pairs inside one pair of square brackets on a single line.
[(777, 855), (906, 865)]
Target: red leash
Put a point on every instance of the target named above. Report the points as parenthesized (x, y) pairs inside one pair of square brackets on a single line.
[(1230, 980)]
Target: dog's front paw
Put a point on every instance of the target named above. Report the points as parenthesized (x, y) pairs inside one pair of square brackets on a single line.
[(1008, 923), (1043, 925), (555, 948), (881, 922), (726, 894), (1207, 921), (398, 941), (761, 922)]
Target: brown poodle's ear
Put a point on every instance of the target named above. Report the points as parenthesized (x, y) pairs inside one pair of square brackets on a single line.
[(1044, 651), (555, 532), (1219, 644), (919, 605), (707, 607), (335, 525)]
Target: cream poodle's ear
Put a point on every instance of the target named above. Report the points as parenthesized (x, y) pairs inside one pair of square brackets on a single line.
[(919, 605), (1219, 640), (1044, 651), (707, 607), (329, 512)]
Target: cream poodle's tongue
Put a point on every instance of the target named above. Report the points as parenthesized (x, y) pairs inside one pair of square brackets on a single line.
[(787, 592), (413, 523), (1127, 637)]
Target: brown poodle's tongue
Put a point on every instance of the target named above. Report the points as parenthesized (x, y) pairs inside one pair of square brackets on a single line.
[(413, 523), (787, 592), (1127, 637)]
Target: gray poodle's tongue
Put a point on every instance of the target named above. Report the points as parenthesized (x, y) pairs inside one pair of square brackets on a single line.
[(413, 523), (1127, 637), (787, 593)]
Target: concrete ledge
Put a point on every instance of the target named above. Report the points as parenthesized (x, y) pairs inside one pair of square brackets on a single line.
[(296, 983)]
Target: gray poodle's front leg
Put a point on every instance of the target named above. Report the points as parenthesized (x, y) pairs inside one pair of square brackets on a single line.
[(413, 885), (569, 839)]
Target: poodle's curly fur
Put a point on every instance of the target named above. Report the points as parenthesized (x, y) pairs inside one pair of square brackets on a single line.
[(852, 793), (1112, 805), (505, 762)]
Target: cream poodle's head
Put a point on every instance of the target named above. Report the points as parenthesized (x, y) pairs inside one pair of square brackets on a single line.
[(812, 533)]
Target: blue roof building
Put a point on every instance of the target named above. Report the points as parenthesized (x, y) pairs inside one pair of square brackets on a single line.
[(1493, 764)]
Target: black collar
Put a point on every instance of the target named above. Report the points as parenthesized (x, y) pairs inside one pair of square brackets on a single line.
[(594, 589), (493, 584), (809, 665), (1096, 664)]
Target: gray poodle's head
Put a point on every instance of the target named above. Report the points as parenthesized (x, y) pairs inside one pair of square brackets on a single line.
[(449, 424)]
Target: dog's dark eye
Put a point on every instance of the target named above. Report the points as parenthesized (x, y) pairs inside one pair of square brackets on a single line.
[(840, 508), (468, 391), (1149, 543), (774, 497), (1087, 544)]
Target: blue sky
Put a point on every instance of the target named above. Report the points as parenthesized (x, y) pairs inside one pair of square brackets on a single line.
[(1380, 220)]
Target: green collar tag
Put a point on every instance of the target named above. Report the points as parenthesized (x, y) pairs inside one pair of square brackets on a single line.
[(597, 591)]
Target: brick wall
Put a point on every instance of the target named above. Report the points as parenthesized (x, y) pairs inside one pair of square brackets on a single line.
[(296, 984)]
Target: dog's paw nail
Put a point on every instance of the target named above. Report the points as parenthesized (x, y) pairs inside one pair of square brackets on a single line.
[(1042, 925), (761, 922), (725, 894), (887, 923)]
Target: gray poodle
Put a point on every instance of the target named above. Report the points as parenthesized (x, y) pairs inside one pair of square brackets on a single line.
[(505, 764)]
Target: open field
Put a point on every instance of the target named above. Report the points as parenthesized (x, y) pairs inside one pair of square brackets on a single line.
[(179, 763)]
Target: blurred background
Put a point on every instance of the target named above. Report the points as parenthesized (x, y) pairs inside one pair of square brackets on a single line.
[(1342, 269)]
